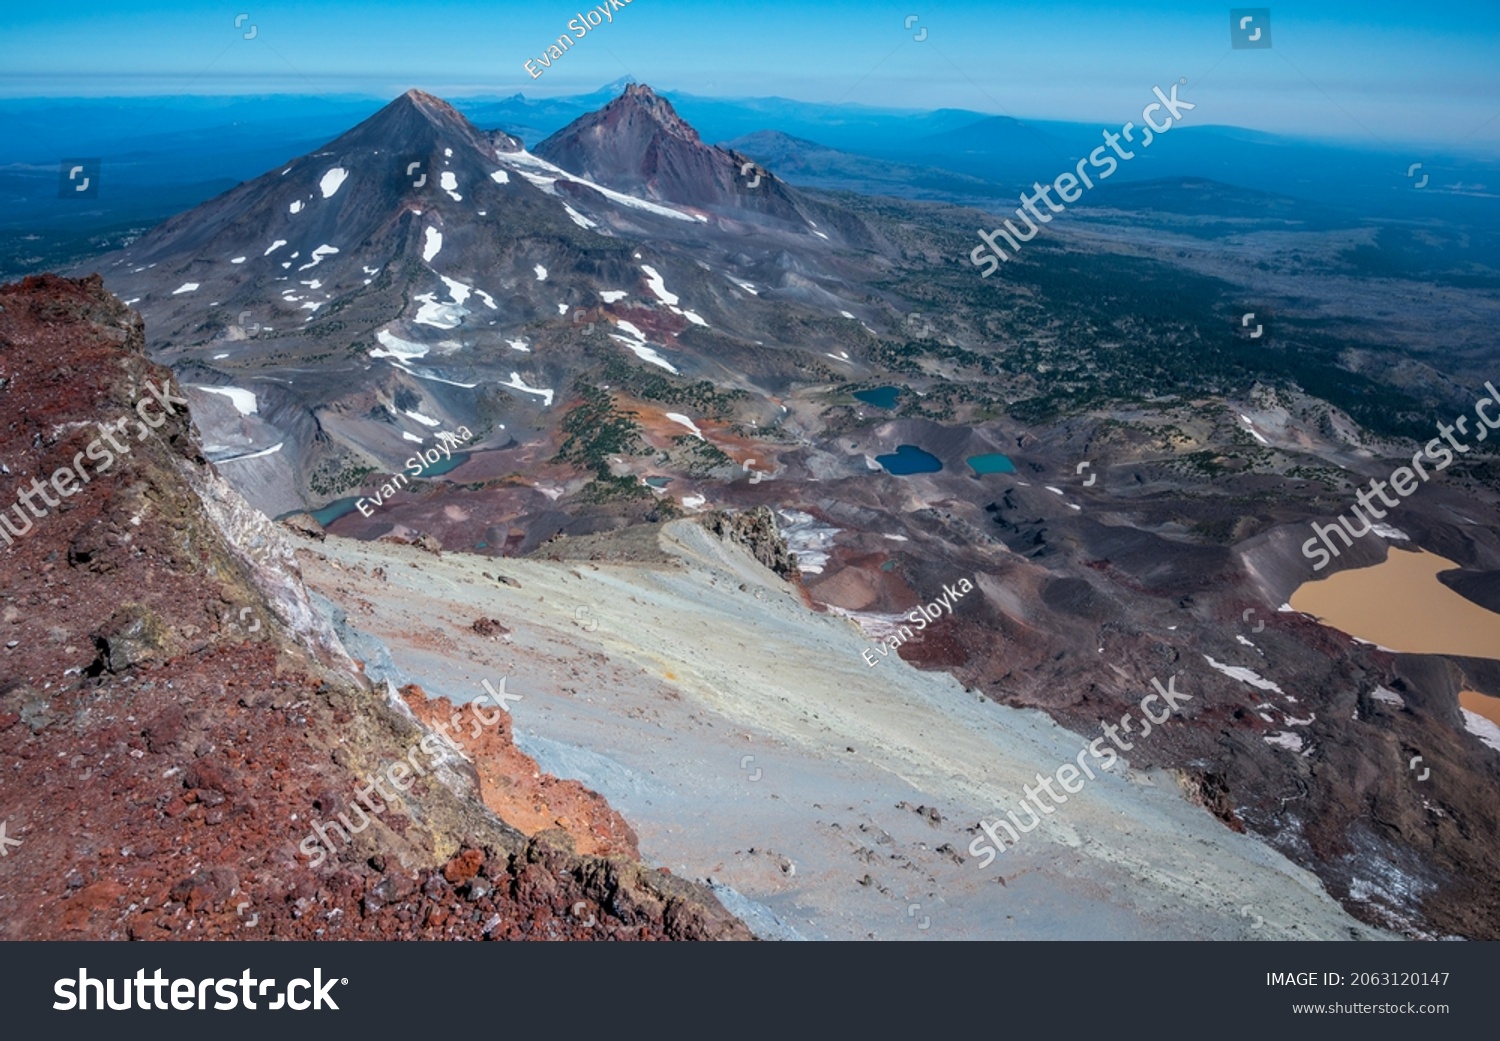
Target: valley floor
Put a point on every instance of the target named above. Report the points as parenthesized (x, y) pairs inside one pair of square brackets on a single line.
[(747, 742)]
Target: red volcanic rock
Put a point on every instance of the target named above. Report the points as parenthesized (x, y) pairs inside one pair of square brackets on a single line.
[(463, 867)]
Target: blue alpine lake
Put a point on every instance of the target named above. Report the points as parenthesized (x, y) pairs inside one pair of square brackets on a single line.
[(880, 397), (909, 459)]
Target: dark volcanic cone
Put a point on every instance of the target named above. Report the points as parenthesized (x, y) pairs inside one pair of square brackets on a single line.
[(639, 144)]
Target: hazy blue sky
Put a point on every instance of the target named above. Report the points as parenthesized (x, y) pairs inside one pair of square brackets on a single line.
[(1376, 70)]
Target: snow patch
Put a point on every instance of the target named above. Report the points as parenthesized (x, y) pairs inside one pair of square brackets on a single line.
[(237, 260), (426, 421), (578, 218), (519, 345), (678, 417), (541, 272), (1385, 531), (449, 184), (186, 287), (636, 341), (459, 291), (1244, 675), (645, 353), (274, 247), (610, 296), (332, 181), (427, 375), (658, 286), (517, 383), (395, 347), (550, 175), (318, 255), (1291, 742), (1482, 728), (807, 539), (432, 242), (243, 400), (500, 177), (438, 315), (253, 455)]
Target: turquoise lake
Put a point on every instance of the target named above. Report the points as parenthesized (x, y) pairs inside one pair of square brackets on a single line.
[(332, 512), (992, 463), (443, 466)]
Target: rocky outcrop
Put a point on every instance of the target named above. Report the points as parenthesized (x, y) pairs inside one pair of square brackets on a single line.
[(756, 530)]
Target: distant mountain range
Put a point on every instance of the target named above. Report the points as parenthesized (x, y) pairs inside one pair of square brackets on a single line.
[(163, 155)]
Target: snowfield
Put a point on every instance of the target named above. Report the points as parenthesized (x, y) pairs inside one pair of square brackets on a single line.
[(332, 181)]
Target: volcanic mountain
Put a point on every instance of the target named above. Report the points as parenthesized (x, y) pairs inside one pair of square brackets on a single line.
[(419, 272), (639, 144)]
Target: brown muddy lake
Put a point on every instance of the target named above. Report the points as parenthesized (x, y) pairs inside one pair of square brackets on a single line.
[(1401, 605)]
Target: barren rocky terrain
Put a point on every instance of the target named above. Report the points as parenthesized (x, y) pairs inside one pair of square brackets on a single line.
[(749, 745), (175, 717)]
